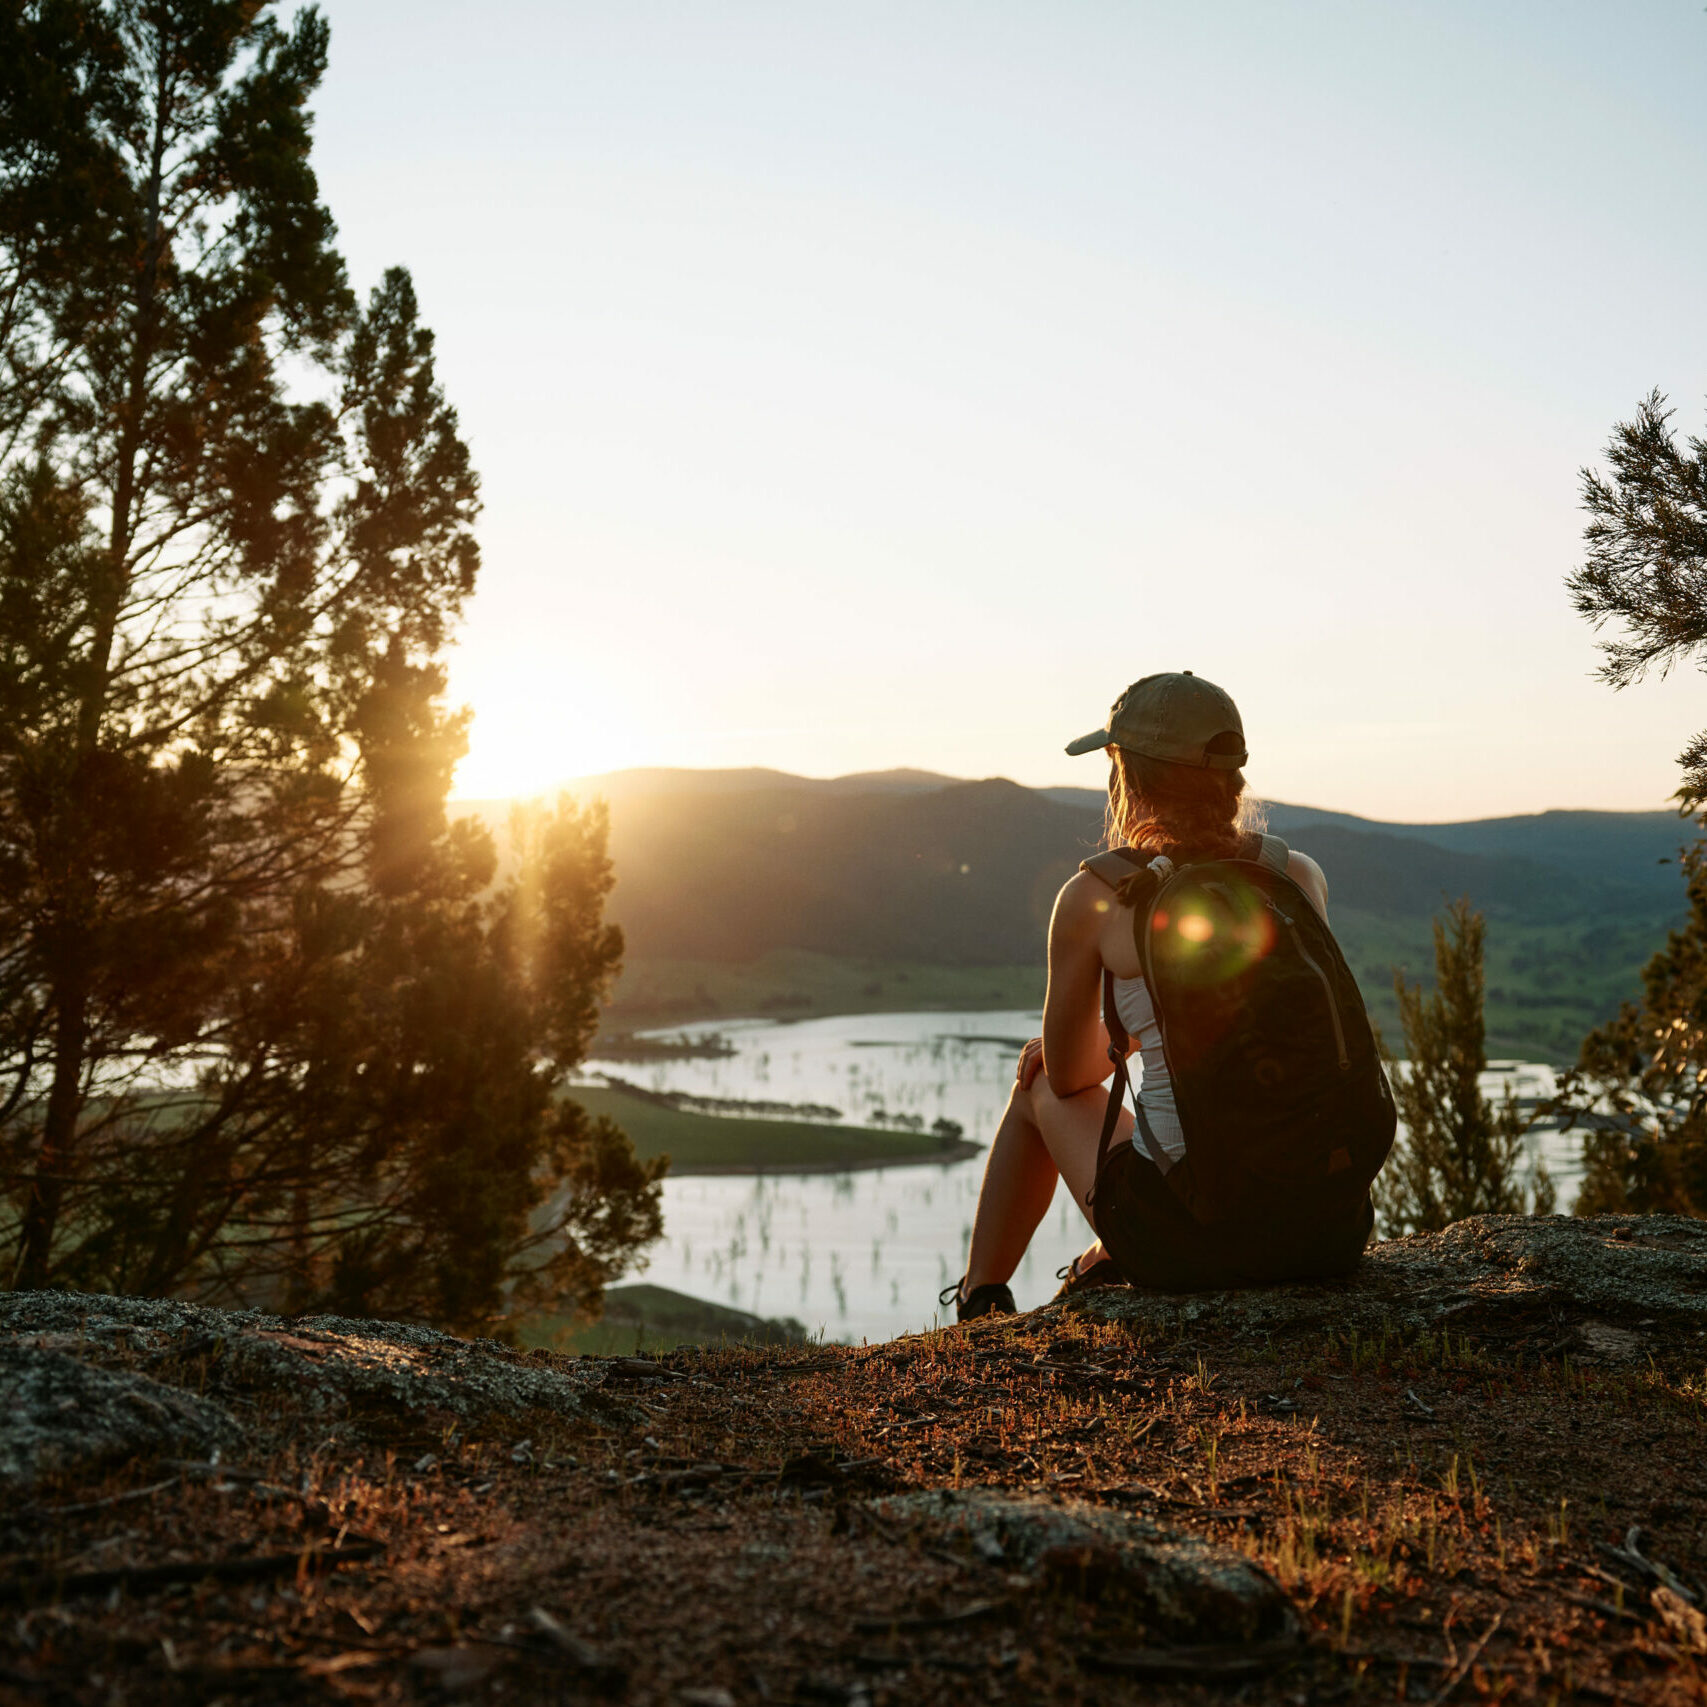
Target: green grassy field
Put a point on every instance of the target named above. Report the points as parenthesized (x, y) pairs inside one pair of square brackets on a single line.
[(653, 1318), (1548, 985), (712, 1144), (798, 984)]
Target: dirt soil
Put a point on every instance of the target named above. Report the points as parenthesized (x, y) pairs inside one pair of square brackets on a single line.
[(1512, 1507)]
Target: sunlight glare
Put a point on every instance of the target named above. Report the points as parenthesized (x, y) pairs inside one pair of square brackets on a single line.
[(536, 733)]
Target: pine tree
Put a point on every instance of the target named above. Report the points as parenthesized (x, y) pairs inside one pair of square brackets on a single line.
[(1647, 560), (264, 1021), (1457, 1153), (1637, 1089)]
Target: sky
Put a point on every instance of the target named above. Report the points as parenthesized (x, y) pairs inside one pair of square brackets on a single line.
[(874, 385)]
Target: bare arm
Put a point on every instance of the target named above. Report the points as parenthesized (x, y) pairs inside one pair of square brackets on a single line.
[(1075, 1045)]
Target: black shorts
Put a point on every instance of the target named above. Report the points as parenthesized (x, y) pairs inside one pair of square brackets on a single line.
[(1156, 1241)]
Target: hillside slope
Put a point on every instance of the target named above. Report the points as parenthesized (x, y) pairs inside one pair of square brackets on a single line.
[(906, 868), (1628, 853)]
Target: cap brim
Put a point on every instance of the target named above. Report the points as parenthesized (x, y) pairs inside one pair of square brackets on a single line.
[(1090, 743)]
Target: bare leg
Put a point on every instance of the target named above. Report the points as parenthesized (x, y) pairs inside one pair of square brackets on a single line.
[(1041, 1138), (1019, 1183)]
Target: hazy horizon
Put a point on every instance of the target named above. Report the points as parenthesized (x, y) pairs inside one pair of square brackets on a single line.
[(854, 388), (586, 788)]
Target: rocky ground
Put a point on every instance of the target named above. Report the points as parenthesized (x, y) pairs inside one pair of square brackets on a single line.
[(1475, 1471)]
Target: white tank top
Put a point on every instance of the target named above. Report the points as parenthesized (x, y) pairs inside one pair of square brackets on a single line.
[(1155, 1092)]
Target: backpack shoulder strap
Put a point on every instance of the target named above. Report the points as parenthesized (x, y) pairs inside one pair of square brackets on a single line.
[(1119, 1042), (1113, 866), (1112, 1022), (1264, 850)]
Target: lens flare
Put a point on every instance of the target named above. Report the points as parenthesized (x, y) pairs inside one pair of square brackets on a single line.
[(1214, 937)]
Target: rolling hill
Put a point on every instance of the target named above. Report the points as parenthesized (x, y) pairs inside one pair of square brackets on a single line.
[(758, 890)]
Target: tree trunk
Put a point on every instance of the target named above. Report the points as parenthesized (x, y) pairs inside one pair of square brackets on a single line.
[(59, 1138), (131, 413), (71, 982)]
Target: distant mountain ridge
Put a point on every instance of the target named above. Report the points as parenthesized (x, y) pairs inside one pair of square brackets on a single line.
[(1620, 846), (1516, 833), (731, 864), (1634, 849), (733, 868)]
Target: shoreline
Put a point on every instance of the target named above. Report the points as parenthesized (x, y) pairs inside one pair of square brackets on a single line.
[(963, 1149), (709, 1144)]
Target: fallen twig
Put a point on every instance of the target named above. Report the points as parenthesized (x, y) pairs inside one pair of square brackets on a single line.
[(1606, 1577), (1604, 1607), (1228, 1663), (1462, 1670), (46, 1584), (930, 1621), (1133, 1491), (1632, 1555), (352, 1659), (582, 1654), (111, 1499), (911, 1422)]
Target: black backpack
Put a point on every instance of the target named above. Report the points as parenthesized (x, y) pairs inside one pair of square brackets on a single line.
[(1275, 1069)]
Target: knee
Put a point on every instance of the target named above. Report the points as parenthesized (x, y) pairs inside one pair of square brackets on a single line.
[(1045, 1105), (1045, 1099), (1019, 1101), (1024, 1111)]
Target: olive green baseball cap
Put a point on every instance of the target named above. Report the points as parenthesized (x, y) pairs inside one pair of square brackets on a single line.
[(1177, 717)]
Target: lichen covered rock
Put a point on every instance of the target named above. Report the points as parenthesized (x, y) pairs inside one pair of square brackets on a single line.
[(1178, 1586), (1612, 1274), (133, 1358), (62, 1416)]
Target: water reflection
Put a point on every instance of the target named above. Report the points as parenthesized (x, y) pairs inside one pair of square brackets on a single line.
[(853, 1256), (877, 1069), (863, 1255)]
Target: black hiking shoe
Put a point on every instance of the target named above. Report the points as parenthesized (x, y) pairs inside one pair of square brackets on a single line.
[(1103, 1272), (991, 1299)]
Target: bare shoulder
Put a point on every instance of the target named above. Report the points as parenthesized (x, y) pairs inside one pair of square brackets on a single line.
[(1084, 901), (1309, 877)]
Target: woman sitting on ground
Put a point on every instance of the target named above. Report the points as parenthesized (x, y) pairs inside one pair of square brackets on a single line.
[(1176, 786)]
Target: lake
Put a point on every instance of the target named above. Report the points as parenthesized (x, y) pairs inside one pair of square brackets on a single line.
[(862, 1256)]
